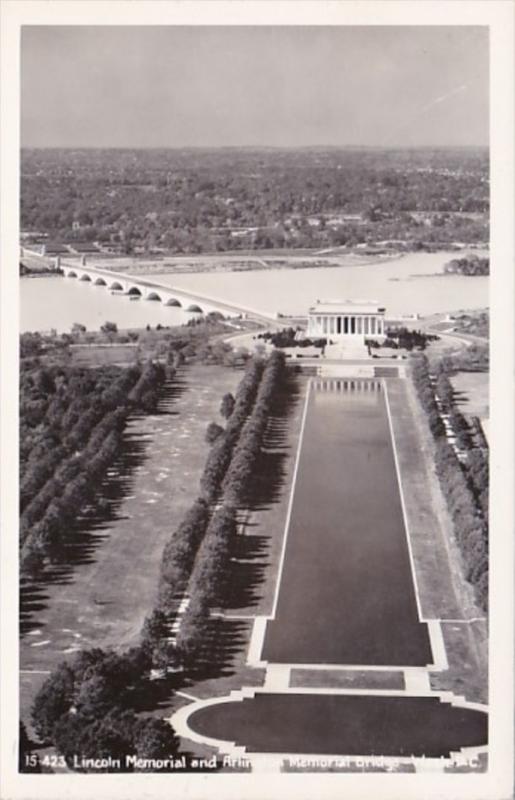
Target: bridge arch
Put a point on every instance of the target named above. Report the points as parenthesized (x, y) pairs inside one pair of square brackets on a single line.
[(172, 301), (70, 274), (134, 291), (100, 282), (195, 308), (85, 277), (116, 285), (154, 296)]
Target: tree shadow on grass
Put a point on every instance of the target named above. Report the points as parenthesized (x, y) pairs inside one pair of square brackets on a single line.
[(222, 643), (248, 570), (169, 394), (218, 657), (82, 536), (250, 554)]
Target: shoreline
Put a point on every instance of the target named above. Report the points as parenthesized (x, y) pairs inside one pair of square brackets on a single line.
[(41, 274), (252, 264)]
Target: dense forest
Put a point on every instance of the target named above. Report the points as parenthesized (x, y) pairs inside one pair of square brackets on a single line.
[(215, 200)]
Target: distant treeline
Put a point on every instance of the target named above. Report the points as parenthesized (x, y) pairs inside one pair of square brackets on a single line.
[(191, 201)]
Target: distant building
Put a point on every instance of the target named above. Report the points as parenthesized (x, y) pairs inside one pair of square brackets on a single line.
[(53, 249), (346, 320), (83, 247), (32, 236)]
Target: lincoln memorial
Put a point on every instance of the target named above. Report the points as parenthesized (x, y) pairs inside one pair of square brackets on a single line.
[(346, 321)]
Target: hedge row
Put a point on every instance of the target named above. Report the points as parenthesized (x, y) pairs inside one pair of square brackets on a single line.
[(425, 391), (220, 454), (66, 426), (238, 476), (179, 554)]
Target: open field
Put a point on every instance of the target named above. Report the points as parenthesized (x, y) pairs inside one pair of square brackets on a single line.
[(347, 679), (99, 355), (102, 596), (472, 389)]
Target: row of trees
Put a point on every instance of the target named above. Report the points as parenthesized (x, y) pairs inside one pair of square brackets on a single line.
[(238, 476), (424, 387), (195, 560), (470, 525), (477, 468), (209, 585), (69, 450), (464, 485), (180, 552), (220, 454)]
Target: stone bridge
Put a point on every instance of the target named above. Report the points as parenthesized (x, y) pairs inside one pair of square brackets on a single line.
[(168, 295)]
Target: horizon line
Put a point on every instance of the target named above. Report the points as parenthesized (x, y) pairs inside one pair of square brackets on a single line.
[(260, 147)]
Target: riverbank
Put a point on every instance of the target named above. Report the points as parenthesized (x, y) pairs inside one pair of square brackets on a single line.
[(242, 262), (41, 273)]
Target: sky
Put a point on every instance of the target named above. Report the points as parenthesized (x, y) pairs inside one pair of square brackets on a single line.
[(287, 86)]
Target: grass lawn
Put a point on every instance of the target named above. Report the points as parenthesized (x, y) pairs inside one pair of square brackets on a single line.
[(466, 645), (344, 725), (104, 597), (346, 679), (472, 390), (98, 356)]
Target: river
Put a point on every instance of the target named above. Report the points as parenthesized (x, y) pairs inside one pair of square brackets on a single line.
[(411, 284)]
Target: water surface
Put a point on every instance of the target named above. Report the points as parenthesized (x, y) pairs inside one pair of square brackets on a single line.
[(412, 284)]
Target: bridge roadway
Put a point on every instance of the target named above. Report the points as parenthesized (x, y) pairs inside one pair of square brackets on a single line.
[(169, 295)]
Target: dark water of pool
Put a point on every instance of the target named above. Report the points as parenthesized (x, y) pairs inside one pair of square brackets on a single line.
[(347, 593)]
